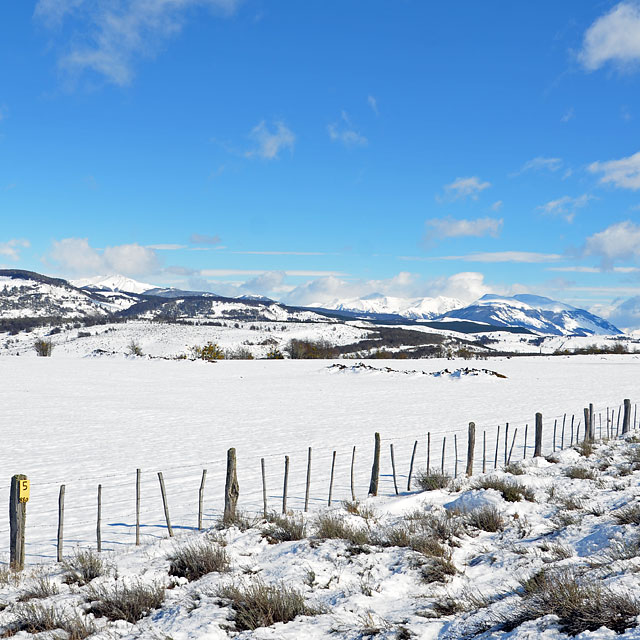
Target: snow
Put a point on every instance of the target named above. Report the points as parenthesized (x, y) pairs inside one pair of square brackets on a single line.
[(115, 283), (84, 421)]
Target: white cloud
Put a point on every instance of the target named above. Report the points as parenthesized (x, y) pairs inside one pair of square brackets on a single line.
[(258, 272), (167, 247), (618, 242), (279, 253), (271, 142), (582, 269), (626, 315), (540, 163), (465, 187), (614, 38), (497, 205), (373, 103), (75, 255), (108, 36), (566, 206), (568, 115), (495, 256), (623, 173), (345, 132), (451, 228), (11, 248)]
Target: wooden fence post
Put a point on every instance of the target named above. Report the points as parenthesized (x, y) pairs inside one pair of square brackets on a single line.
[(165, 504), (506, 441), (308, 487), (484, 451), (333, 466), (538, 449), (264, 489), (286, 482), (393, 468), (60, 521), (513, 441), (455, 453), (592, 425), (428, 451), (571, 440), (524, 448), (444, 444), (471, 445), (587, 433), (413, 457), (495, 460), (231, 488), (99, 521), (201, 499), (562, 434), (555, 424), (627, 416), (375, 469), (138, 473), (353, 462), (17, 522)]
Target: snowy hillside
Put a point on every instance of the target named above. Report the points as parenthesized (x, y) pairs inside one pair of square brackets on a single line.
[(537, 313), (379, 305), (31, 295)]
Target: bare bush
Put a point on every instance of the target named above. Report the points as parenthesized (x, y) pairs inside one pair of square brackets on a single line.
[(197, 559), (433, 480), (511, 491), (43, 348), (125, 602), (261, 605), (407, 536), (580, 603), (134, 349), (37, 618), (43, 587), (628, 515), (486, 518), (580, 473), (332, 526), (83, 567), (283, 528), (444, 526), (514, 468)]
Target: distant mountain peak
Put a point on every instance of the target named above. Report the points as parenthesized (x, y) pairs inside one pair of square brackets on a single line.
[(115, 283)]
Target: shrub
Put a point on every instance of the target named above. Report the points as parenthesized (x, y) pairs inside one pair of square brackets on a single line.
[(330, 525), (432, 480), (36, 618), (285, 529), (628, 515), (210, 352), (580, 473), (260, 605), (83, 567), (43, 348), (580, 603), (486, 518), (511, 491), (126, 602), (437, 570), (197, 559), (241, 353), (134, 349), (515, 468), (42, 588), (310, 349), (407, 536), (275, 354), (445, 526), (585, 448)]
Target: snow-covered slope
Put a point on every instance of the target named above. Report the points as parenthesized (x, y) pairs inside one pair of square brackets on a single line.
[(115, 283), (537, 313), (379, 305), (24, 294)]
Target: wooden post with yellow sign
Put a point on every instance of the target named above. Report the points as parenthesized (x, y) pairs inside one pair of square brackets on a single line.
[(20, 489)]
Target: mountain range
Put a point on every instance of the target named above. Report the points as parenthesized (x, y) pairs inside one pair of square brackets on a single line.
[(25, 294)]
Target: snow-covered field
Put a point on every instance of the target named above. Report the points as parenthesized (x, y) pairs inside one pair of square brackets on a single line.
[(88, 421)]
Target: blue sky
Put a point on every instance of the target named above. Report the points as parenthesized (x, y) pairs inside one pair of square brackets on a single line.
[(314, 150)]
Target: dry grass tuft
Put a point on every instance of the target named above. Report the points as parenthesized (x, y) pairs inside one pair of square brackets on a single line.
[(486, 518), (580, 473), (83, 567), (197, 559), (126, 602), (43, 587), (333, 526), (511, 491), (37, 618), (628, 515), (433, 480)]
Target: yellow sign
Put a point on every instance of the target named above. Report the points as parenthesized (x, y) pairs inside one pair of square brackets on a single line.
[(25, 489)]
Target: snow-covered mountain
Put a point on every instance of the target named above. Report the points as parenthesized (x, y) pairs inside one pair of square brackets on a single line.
[(537, 313), (114, 283), (379, 305)]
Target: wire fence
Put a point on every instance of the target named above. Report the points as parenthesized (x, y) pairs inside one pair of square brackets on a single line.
[(440, 448)]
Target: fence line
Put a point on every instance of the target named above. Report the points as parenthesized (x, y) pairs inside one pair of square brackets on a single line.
[(182, 487)]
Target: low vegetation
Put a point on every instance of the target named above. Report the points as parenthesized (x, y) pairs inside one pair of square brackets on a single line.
[(283, 528), (433, 480), (197, 559), (37, 618), (83, 567), (511, 490), (43, 348), (332, 525), (129, 602)]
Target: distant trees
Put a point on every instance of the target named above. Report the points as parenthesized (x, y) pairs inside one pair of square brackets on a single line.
[(43, 348), (134, 349), (210, 352), (311, 349)]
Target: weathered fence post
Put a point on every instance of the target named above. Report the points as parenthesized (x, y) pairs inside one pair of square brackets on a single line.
[(455, 453), (353, 462), (495, 460), (308, 487), (413, 457), (444, 444), (99, 521), (264, 489), (524, 448), (564, 417), (471, 445), (506, 441), (17, 520), (138, 474), (375, 469), (555, 424), (592, 425), (587, 433), (393, 468), (60, 522), (333, 466), (165, 504), (571, 440), (627, 416), (538, 448), (428, 451), (201, 499), (513, 441), (286, 482), (231, 488), (484, 451)]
